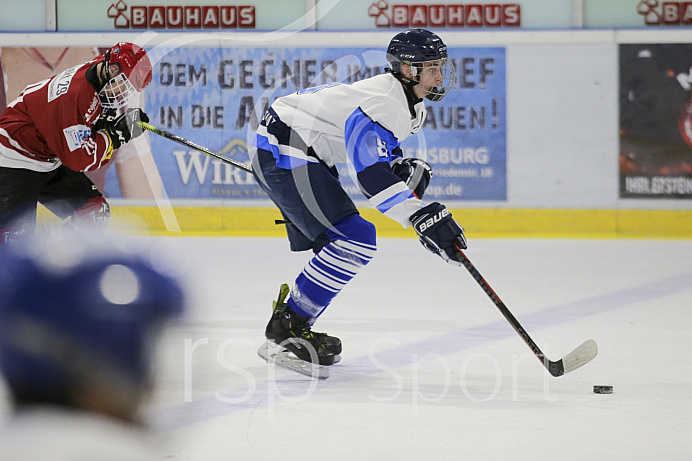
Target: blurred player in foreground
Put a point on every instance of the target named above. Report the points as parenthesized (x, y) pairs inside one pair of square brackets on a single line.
[(61, 127), (78, 326), (301, 138)]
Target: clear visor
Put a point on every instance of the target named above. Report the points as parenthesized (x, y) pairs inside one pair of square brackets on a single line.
[(117, 92), (436, 77)]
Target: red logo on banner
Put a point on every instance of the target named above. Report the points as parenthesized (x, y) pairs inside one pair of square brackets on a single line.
[(446, 15), (181, 17), (665, 13)]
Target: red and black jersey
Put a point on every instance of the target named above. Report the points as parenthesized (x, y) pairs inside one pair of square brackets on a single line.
[(51, 122)]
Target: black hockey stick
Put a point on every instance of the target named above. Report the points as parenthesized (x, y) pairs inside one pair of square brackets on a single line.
[(185, 142), (575, 359)]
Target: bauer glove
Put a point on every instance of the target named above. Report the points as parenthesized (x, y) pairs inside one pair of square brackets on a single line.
[(123, 128), (438, 232), (415, 172)]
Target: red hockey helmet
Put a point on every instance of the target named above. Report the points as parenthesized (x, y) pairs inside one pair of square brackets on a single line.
[(128, 71)]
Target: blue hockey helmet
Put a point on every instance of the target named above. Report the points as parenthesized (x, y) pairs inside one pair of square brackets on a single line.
[(415, 47), (71, 314)]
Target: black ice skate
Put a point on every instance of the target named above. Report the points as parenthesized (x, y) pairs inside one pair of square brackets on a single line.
[(293, 345)]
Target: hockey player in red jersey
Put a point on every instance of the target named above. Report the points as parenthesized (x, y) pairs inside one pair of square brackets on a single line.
[(61, 127)]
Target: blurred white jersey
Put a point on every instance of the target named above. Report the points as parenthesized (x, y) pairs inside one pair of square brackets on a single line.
[(55, 434)]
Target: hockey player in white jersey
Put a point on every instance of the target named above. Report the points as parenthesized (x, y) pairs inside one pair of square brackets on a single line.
[(303, 136)]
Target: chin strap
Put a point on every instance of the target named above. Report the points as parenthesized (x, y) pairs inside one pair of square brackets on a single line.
[(106, 65), (408, 85), (100, 77)]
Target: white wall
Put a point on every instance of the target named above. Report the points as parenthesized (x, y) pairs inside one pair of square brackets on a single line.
[(562, 125), (562, 103)]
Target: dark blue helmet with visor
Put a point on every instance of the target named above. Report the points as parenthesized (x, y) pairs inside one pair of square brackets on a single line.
[(415, 47)]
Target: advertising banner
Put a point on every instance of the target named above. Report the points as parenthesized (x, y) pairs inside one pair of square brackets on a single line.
[(215, 97), (225, 15), (637, 13), (187, 15), (454, 15), (655, 121)]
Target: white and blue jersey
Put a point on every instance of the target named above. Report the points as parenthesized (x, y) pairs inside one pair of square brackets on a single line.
[(361, 124)]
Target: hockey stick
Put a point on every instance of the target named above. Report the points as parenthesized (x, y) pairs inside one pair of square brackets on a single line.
[(575, 359), (185, 142)]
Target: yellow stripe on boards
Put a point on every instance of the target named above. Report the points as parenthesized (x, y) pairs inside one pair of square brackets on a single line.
[(477, 222)]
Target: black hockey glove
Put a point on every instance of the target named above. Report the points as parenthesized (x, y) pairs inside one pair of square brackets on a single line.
[(414, 172), (439, 232), (123, 128)]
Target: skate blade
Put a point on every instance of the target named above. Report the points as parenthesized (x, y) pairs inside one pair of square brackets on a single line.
[(281, 357)]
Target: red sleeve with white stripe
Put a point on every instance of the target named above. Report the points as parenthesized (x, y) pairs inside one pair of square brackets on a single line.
[(53, 119)]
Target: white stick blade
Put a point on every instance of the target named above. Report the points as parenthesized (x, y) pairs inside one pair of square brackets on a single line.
[(580, 356)]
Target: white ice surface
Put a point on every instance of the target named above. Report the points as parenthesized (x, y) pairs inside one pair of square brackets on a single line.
[(430, 369)]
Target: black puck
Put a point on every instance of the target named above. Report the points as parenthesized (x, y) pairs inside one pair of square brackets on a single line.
[(603, 389)]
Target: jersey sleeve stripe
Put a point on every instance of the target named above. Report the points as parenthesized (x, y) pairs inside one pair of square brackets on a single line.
[(287, 157), (397, 202), (13, 143), (286, 147), (390, 203), (396, 192), (402, 211), (367, 142)]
